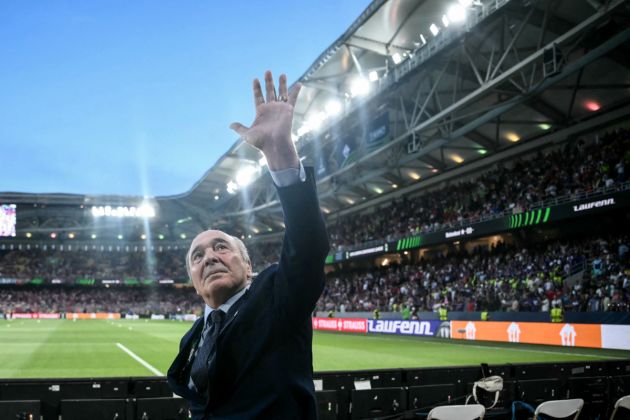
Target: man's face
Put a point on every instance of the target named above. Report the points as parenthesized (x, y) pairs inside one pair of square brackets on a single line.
[(217, 267)]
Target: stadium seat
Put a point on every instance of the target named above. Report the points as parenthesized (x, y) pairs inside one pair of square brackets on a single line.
[(624, 404), (537, 391), (94, 409), (560, 408), (378, 402), (18, 410), (327, 404), (161, 409), (457, 412), (151, 388), (425, 397), (595, 393)]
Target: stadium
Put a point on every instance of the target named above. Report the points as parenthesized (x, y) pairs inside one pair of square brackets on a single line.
[(470, 164)]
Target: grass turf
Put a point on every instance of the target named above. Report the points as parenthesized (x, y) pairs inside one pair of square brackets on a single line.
[(66, 348)]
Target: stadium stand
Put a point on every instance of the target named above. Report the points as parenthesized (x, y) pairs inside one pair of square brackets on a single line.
[(515, 186), (409, 163), (501, 277)]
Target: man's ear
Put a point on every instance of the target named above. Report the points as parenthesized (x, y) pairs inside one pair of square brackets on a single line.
[(250, 272)]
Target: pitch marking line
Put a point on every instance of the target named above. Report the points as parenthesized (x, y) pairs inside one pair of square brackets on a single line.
[(139, 360)]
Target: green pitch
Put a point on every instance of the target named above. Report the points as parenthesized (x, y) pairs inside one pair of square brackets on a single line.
[(65, 348)]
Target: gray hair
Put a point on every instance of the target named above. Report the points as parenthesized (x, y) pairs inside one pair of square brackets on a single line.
[(240, 245)]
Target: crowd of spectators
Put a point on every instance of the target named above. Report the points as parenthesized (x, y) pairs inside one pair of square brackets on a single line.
[(499, 278), (577, 168), (68, 266), (137, 300)]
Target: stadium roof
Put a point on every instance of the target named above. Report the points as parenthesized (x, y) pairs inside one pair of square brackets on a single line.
[(411, 91)]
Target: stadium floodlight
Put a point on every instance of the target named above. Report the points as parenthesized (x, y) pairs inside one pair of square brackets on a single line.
[(120, 237), (423, 39), (434, 29), (93, 236), (333, 107), (315, 121), (71, 235), (183, 236), (394, 186), (232, 187), (378, 190), (29, 234), (414, 175), (216, 197), (456, 13), (482, 151), (465, 3), (396, 58), (53, 235), (145, 210), (360, 86), (373, 76), (544, 126), (592, 106), (512, 136), (160, 236), (457, 158), (143, 236), (445, 21), (246, 175), (303, 130)]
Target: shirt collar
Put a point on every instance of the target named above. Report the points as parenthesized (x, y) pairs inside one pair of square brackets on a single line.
[(227, 305)]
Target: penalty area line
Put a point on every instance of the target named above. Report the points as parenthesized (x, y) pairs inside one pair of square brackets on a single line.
[(139, 360)]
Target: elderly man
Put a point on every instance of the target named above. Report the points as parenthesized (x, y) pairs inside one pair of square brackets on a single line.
[(250, 356)]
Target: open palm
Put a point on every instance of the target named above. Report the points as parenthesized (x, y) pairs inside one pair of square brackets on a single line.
[(270, 132)]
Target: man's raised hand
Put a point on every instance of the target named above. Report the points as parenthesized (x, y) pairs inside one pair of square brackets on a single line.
[(271, 130)]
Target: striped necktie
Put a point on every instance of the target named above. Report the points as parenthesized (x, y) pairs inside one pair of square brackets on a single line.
[(206, 350)]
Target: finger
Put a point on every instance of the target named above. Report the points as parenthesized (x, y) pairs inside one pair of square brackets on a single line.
[(282, 89), (239, 128), (269, 87), (293, 95), (258, 95)]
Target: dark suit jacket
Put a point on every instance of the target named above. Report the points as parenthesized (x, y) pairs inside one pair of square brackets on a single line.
[(264, 365)]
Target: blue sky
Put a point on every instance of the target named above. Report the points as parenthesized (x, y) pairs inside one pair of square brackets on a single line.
[(135, 97)]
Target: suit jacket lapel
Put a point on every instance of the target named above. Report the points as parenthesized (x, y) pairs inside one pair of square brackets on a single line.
[(233, 312), (180, 362)]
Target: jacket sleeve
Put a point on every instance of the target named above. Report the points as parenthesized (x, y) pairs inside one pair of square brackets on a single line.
[(299, 280)]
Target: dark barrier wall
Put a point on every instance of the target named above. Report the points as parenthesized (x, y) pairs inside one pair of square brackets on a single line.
[(402, 393)]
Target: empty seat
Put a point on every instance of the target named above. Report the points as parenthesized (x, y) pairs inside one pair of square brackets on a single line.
[(560, 408), (457, 412), (624, 404)]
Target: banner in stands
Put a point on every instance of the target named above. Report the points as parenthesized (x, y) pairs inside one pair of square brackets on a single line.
[(403, 327), (355, 325), (616, 337), (555, 334), (32, 315), (92, 315)]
